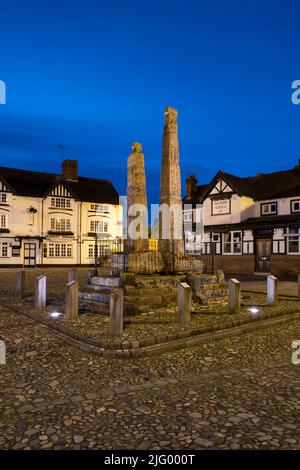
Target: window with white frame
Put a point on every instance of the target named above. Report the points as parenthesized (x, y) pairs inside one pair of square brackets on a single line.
[(188, 216), (293, 241), (3, 249), (99, 208), (61, 202), (92, 251), (58, 250), (295, 206), (97, 226), (232, 243), (3, 221), (3, 198), (62, 225), (269, 208)]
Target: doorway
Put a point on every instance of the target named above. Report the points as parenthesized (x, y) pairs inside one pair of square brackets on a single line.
[(263, 255), (29, 255)]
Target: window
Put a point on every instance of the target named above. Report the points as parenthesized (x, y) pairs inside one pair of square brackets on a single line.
[(188, 216), (99, 208), (99, 226), (58, 250), (232, 243), (62, 225), (295, 206), (92, 251), (3, 221), (269, 209), (3, 249), (3, 198), (61, 202), (293, 240)]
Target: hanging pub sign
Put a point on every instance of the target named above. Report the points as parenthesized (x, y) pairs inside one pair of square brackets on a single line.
[(221, 206)]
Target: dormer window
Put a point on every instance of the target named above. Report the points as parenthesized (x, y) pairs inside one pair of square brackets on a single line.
[(61, 202), (100, 208), (269, 208)]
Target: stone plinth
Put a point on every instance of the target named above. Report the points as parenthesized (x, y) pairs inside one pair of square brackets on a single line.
[(40, 292), (184, 302)]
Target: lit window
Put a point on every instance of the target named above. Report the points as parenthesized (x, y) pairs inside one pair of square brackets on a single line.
[(99, 226), (61, 225), (232, 243)]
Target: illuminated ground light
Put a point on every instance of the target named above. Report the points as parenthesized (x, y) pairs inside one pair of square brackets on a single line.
[(253, 310), (55, 314)]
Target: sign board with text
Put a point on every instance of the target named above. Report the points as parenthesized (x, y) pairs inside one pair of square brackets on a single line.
[(221, 206)]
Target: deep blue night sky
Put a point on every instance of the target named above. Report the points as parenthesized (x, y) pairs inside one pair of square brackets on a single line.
[(95, 76)]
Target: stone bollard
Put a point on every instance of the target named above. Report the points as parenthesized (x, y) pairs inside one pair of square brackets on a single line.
[(71, 308), (20, 284), (72, 275), (184, 302), (116, 312), (272, 290), (234, 296), (40, 292)]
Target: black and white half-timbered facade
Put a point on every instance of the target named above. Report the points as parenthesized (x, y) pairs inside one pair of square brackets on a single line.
[(55, 219), (251, 225)]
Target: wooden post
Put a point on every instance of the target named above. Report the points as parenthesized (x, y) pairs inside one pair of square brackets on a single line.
[(71, 308), (184, 302), (20, 284), (116, 312), (40, 292), (234, 296), (272, 290)]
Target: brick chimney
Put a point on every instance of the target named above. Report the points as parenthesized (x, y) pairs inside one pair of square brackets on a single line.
[(70, 170), (191, 186)]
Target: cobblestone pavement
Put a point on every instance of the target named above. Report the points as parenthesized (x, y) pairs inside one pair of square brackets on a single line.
[(238, 393)]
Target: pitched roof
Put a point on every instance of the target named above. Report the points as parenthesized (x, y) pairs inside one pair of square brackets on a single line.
[(36, 184), (260, 187)]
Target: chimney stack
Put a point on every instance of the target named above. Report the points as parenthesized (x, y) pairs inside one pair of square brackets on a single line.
[(191, 186), (70, 170)]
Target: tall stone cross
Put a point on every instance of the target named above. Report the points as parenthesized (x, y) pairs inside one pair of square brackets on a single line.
[(171, 224), (137, 217)]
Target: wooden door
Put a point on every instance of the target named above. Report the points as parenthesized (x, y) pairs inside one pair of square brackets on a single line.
[(263, 255)]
